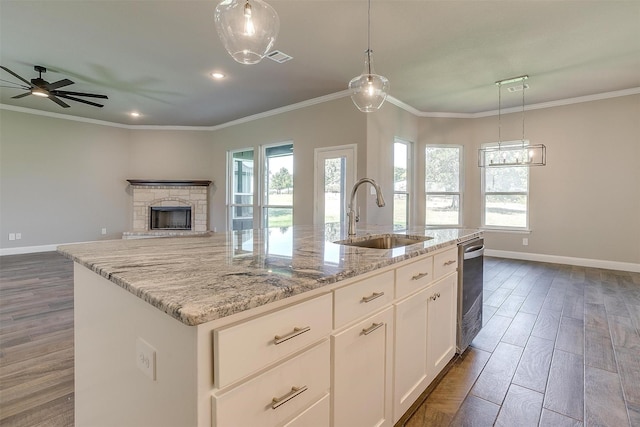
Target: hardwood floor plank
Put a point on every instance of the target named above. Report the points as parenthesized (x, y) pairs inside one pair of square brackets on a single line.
[(533, 303), (595, 319), (498, 297), (521, 408), (565, 389), (603, 399), (571, 335), (475, 412), (546, 325), (491, 334), (487, 313), (629, 371), (446, 398), (554, 300), (493, 383), (510, 306), (573, 305), (623, 332), (520, 329), (533, 369), (553, 419), (598, 351)]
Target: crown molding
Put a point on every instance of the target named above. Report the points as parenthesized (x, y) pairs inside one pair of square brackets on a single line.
[(326, 98)]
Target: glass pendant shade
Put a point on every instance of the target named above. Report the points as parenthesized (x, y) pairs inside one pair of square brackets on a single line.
[(248, 29), (368, 90)]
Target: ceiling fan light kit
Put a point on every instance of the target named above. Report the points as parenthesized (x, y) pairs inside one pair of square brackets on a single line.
[(368, 90), (247, 28), (512, 153), (42, 88)]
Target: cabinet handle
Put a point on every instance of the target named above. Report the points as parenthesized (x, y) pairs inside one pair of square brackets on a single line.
[(372, 297), (373, 327), (433, 297), (419, 276), (278, 339), (295, 391), (451, 261), (438, 295)]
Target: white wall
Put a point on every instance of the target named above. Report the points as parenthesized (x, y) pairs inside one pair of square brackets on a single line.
[(585, 203)]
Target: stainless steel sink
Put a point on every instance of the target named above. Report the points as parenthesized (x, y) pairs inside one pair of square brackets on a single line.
[(384, 241)]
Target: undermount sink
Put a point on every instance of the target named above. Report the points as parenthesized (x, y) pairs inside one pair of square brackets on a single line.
[(384, 241)]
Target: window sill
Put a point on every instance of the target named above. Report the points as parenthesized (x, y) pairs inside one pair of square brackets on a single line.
[(506, 230)]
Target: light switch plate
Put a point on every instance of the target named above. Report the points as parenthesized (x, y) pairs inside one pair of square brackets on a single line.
[(146, 358)]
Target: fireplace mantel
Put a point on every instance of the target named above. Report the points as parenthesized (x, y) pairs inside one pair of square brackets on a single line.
[(169, 183)]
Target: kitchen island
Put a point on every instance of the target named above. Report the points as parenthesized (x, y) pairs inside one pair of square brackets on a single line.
[(168, 330)]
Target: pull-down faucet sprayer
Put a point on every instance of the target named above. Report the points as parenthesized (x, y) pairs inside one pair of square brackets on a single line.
[(353, 217)]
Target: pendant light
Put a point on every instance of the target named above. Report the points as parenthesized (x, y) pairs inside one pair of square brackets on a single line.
[(368, 90), (512, 153), (247, 28)]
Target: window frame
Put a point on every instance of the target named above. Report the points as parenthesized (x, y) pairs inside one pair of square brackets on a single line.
[(483, 193), (263, 177), (459, 193), (409, 183), (231, 191)]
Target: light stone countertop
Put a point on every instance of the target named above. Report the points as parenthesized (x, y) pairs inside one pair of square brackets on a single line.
[(199, 279)]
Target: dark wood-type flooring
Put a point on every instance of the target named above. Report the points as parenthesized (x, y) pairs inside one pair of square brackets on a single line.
[(560, 347)]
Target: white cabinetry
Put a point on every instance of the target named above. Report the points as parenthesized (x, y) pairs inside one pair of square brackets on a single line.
[(441, 334), (362, 355)]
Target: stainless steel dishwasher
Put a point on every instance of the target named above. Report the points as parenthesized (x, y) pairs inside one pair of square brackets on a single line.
[(470, 282)]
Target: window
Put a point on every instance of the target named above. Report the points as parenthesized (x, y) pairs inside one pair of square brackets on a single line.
[(505, 196), (401, 183), (277, 203), (443, 184), (240, 193)]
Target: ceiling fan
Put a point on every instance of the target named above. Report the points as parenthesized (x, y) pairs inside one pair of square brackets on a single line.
[(43, 88)]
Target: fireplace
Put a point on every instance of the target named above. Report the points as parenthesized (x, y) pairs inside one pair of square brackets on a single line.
[(170, 218)]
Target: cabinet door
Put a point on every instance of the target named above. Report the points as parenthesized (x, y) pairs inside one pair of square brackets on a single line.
[(362, 360), (411, 369), (441, 336)]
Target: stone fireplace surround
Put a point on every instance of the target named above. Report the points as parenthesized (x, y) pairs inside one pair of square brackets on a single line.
[(174, 193)]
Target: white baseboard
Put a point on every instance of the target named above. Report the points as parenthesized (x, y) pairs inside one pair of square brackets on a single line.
[(555, 259), (28, 249)]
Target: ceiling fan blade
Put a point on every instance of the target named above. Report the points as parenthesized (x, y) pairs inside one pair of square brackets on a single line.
[(58, 101), (59, 83), (73, 98), (22, 95), (16, 76), (90, 95)]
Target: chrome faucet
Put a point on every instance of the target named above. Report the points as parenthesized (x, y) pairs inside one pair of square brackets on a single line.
[(353, 217)]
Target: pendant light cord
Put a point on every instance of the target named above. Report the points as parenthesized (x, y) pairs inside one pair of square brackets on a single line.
[(369, 37), (499, 115)]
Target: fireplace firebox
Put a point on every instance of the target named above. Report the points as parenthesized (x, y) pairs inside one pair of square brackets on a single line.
[(170, 218)]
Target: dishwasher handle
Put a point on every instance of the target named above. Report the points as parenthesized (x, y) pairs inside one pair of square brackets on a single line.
[(473, 252)]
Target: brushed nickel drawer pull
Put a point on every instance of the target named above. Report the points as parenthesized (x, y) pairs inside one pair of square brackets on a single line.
[(372, 297), (419, 276), (295, 391), (373, 327), (296, 331), (451, 261)]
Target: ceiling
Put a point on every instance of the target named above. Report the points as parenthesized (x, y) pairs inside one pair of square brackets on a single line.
[(155, 56)]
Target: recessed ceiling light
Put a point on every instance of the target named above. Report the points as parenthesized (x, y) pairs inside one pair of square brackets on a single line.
[(134, 114), (217, 75)]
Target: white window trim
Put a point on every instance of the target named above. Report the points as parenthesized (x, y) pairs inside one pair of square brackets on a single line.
[(410, 178), (230, 189), (261, 205), (460, 192), (503, 228)]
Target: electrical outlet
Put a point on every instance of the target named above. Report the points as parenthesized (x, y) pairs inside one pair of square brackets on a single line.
[(104, 231), (18, 236), (525, 241), (146, 358), (12, 236)]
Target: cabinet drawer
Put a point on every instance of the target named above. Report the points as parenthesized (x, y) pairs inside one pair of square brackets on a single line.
[(445, 263), (296, 383), (247, 347), (411, 277), (362, 298), (317, 415)]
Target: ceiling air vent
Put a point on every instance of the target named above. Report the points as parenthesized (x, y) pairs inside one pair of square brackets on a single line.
[(517, 88), (279, 56)]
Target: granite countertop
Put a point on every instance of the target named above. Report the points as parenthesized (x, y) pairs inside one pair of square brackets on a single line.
[(203, 278)]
